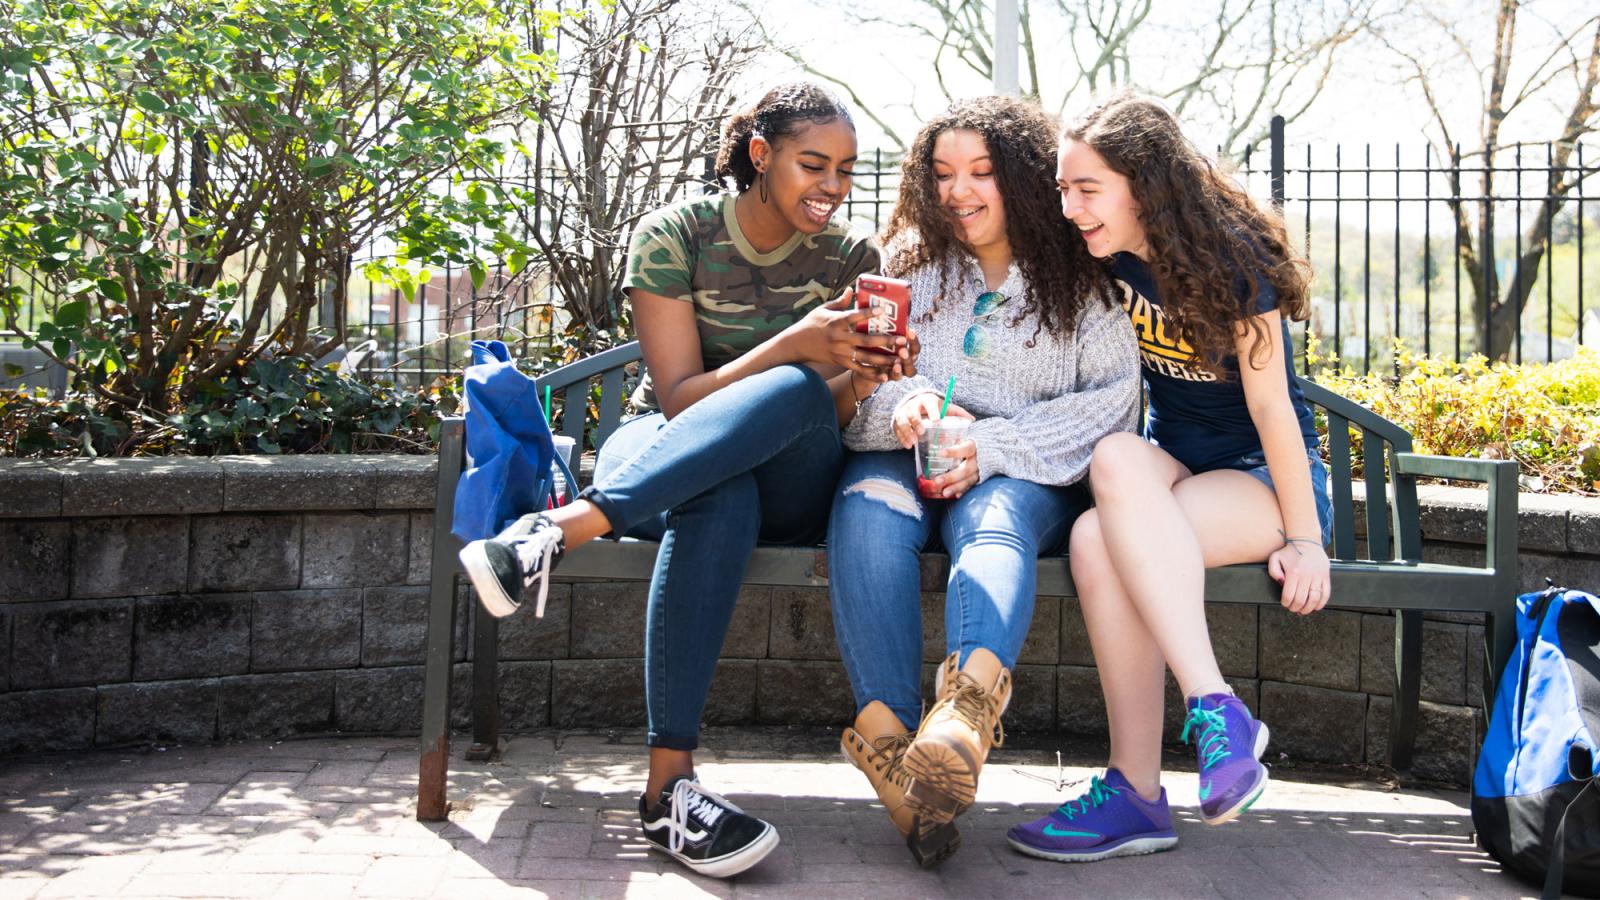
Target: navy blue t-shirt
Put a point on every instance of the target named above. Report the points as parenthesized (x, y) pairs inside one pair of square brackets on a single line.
[(1200, 419)]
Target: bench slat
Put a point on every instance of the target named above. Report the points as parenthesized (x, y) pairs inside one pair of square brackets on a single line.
[(574, 409), (611, 397), (1373, 454), (1344, 526), (1364, 584)]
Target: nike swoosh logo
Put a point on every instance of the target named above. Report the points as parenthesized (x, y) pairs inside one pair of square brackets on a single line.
[(1057, 832), (1205, 789)]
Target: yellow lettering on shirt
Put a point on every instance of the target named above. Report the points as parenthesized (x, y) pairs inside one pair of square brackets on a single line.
[(1159, 346)]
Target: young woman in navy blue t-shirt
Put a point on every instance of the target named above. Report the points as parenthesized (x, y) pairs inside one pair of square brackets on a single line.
[(1227, 471)]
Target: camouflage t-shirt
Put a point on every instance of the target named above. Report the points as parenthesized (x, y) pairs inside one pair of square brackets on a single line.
[(694, 251)]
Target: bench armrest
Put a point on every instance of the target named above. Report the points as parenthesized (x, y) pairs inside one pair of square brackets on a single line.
[(1501, 476)]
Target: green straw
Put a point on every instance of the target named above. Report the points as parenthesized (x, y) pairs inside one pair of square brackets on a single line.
[(927, 461), (547, 403)]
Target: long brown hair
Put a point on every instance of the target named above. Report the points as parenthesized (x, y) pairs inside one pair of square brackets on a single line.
[(1058, 272), (1208, 239)]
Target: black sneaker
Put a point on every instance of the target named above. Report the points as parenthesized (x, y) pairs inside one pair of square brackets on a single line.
[(502, 566), (704, 831)]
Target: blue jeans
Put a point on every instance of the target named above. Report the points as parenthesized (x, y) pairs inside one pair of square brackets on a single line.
[(994, 534), (756, 460)]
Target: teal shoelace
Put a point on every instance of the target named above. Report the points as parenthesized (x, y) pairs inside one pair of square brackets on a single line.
[(1213, 737), (1098, 793)]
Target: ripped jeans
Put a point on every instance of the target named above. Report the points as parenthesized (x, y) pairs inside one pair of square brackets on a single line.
[(994, 534)]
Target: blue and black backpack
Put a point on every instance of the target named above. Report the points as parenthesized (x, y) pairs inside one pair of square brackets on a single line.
[(509, 446), (1535, 797)]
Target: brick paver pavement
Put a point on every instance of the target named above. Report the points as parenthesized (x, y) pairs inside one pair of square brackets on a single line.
[(335, 818)]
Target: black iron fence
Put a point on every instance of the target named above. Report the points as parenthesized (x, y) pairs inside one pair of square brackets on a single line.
[(1410, 247), (1442, 253), (1400, 238)]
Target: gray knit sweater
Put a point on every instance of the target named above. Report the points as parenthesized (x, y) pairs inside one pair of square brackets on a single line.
[(1040, 409)]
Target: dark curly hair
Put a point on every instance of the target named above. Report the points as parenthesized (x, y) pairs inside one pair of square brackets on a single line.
[(1208, 239), (1059, 274), (777, 115)]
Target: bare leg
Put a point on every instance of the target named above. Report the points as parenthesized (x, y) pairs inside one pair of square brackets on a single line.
[(1226, 517), (1150, 509), (580, 522), (1132, 669), (665, 765)]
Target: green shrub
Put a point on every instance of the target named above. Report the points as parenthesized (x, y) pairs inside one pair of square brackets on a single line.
[(1544, 416), (273, 406), (186, 187)]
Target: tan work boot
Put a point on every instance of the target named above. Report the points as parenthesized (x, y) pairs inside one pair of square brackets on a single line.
[(955, 738), (876, 745)]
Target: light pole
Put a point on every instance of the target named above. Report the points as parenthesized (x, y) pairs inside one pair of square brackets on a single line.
[(1005, 48)]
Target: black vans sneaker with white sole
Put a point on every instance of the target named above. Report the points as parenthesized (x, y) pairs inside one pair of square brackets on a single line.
[(704, 831), (502, 566)]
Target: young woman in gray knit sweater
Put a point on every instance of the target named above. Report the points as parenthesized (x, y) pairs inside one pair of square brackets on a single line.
[(1007, 302)]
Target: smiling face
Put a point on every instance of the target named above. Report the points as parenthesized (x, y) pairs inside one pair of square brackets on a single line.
[(1099, 201), (968, 191), (808, 173)]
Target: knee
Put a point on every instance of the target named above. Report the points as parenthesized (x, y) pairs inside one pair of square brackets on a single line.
[(1118, 461), (604, 464), (798, 388), (971, 528), (1086, 554), (994, 512), (873, 496)]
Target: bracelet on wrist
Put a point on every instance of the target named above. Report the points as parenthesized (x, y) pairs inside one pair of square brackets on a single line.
[(1291, 541)]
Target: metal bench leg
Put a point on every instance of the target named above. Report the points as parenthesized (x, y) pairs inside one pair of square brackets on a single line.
[(1407, 689), (485, 685), (1499, 639), (433, 769)]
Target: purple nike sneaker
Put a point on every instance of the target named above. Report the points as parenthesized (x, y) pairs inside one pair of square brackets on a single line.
[(1110, 819), (1228, 742)]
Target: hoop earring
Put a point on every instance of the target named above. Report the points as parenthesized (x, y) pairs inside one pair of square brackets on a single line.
[(763, 186)]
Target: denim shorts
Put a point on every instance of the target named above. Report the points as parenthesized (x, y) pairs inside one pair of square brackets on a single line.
[(1255, 465)]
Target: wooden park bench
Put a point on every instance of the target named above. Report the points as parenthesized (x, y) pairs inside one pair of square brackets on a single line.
[(1383, 573)]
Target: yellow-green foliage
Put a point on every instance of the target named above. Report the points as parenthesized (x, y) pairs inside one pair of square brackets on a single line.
[(1545, 416)]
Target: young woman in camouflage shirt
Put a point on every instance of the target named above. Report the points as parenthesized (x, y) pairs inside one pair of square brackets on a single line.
[(754, 364)]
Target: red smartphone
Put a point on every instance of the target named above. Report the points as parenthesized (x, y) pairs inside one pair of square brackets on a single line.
[(890, 302)]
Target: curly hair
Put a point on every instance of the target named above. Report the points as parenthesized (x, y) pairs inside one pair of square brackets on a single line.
[(777, 115), (1059, 274), (1207, 237)]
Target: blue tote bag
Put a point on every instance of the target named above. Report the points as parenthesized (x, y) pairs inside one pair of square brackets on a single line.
[(509, 447)]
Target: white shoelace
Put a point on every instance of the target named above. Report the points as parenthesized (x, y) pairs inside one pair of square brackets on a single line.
[(688, 796), (534, 552)]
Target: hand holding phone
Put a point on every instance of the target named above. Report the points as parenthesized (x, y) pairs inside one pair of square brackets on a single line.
[(889, 299)]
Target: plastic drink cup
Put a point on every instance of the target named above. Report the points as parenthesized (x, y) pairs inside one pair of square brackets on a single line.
[(930, 460), (564, 447)]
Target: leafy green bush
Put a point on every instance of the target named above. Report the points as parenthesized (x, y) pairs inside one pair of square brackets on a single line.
[(186, 187), (274, 406), (1544, 416)]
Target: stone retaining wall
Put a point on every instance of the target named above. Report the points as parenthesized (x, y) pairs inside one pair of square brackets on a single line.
[(186, 600)]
